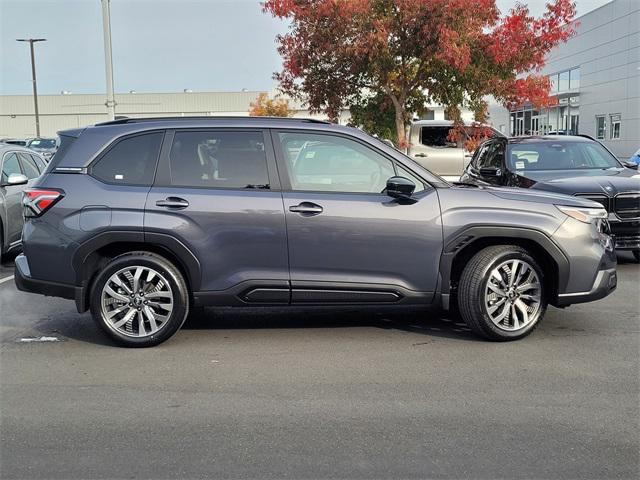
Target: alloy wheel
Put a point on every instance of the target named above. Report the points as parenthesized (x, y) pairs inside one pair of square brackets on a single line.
[(136, 301), (513, 295)]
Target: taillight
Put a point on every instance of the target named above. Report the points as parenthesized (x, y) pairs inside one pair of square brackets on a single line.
[(37, 201)]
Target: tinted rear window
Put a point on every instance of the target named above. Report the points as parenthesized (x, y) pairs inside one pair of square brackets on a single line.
[(219, 159), (131, 161), (436, 137)]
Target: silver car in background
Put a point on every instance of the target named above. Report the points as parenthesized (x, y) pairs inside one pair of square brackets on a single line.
[(44, 146), (19, 167)]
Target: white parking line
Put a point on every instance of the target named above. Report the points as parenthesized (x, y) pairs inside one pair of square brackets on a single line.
[(6, 279)]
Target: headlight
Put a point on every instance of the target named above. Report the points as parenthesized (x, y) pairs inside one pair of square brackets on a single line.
[(582, 214)]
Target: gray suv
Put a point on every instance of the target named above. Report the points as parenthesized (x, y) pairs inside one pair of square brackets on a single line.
[(140, 220)]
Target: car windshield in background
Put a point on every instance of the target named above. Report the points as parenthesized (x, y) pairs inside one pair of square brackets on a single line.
[(559, 156), (43, 143)]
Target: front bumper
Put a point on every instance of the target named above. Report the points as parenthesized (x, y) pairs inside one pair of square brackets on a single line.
[(606, 282), (26, 283)]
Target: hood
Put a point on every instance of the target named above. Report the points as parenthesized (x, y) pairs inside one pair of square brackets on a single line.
[(609, 182), (533, 196)]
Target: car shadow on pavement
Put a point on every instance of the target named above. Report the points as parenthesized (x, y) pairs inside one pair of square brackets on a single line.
[(82, 328), (415, 320)]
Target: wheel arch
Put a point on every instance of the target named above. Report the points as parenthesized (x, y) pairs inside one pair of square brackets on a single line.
[(92, 255), (465, 244)]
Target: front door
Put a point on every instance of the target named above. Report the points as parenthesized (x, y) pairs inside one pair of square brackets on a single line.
[(217, 193), (349, 241)]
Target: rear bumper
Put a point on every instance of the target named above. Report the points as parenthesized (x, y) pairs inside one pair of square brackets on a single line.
[(606, 282), (26, 283)]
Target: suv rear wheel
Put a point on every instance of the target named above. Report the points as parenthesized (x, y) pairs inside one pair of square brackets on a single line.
[(139, 299), (501, 293)]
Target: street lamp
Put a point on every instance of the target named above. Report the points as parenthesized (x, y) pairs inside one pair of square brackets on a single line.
[(33, 77), (108, 59)]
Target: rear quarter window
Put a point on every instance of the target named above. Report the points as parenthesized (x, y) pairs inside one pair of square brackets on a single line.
[(130, 161)]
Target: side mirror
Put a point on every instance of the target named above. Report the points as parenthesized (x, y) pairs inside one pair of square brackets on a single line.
[(17, 179), (400, 187), (631, 165), (490, 172)]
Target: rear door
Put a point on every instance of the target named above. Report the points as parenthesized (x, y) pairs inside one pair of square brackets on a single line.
[(349, 241), (217, 192), (432, 150)]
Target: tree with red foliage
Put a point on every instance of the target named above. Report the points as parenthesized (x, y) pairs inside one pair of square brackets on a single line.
[(454, 52)]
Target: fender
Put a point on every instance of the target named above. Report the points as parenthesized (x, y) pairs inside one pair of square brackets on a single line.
[(469, 235), (167, 242)]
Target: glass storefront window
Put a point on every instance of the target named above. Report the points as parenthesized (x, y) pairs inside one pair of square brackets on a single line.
[(601, 129), (554, 82), (574, 79), (563, 82)]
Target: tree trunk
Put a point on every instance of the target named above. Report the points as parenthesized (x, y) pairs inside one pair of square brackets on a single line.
[(401, 130)]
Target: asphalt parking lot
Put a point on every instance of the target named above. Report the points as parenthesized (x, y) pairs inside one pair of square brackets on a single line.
[(295, 394)]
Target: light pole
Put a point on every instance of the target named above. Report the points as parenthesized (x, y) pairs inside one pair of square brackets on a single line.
[(33, 77), (108, 60)]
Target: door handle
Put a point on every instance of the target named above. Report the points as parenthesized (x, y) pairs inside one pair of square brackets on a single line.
[(308, 208), (421, 155), (173, 202)]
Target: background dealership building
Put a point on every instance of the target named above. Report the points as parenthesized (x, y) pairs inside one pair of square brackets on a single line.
[(595, 78)]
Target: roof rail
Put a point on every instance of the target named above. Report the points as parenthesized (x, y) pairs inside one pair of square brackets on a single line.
[(123, 121)]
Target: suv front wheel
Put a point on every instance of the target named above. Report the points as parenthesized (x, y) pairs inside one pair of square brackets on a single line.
[(501, 293), (139, 299)]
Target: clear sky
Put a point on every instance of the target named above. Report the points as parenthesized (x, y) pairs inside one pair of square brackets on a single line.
[(158, 45)]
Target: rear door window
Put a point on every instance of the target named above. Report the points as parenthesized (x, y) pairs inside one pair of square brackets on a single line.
[(219, 159), (436, 137), (131, 161), (29, 166), (39, 162)]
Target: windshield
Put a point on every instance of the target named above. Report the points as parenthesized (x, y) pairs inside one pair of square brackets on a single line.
[(43, 143), (560, 155)]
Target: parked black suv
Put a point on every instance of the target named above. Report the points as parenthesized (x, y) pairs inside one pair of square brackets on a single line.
[(574, 165), (139, 220)]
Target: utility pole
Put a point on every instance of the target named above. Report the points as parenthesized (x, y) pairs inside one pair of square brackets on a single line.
[(108, 59), (33, 77)]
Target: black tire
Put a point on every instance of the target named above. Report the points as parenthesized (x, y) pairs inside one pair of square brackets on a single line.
[(179, 290), (636, 254), (473, 284)]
